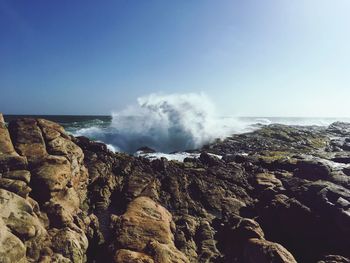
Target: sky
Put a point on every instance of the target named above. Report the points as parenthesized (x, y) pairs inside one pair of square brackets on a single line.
[(251, 57)]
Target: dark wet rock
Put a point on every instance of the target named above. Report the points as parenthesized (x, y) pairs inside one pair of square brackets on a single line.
[(346, 171), (341, 159), (208, 159), (339, 128), (258, 250), (12, 162), (334, 259), (312, 170), (146, 149)]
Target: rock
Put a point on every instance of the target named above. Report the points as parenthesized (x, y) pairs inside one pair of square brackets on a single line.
[(144, 223), (334, 259), (339, 128), (27, 138), (341, 159), (312, 170), (147, 221), (146, 149), (128, 256), (248, 228), (267, 180), (70, 244), (22, 175), (12, 162), (6, 146), (65, 147), (165, 253), (51, 130), (207, 251), (51, 175), (87, 204), (11, 248), (58, 215), (208, 159), (15, 186), (259, 250), (19, 216)]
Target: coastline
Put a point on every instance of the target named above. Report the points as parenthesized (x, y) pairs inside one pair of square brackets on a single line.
[(280, 193)]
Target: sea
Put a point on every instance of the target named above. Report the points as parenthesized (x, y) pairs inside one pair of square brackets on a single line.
[(170, 124), (169, 138)]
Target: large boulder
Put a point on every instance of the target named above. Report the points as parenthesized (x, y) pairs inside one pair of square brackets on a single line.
[(27, 138), (146, 227), (12, 250), (51, 175), (128, 256), (312, 169), (19, 216), (70, 243), (263, 251)]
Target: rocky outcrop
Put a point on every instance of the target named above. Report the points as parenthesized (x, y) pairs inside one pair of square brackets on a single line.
[(278, 194), (41, 192), (146, 227)]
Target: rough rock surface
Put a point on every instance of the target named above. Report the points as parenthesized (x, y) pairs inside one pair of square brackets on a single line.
[(279, 194)]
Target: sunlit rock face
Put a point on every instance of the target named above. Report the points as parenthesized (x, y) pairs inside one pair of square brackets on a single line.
[(278, 194)]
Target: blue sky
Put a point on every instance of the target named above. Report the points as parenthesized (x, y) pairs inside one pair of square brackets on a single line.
[(251, 57)]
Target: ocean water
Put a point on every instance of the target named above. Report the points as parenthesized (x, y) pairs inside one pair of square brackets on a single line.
[(167, 124), (164, 138)]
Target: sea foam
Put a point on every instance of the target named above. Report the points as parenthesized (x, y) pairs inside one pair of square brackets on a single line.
[(166, 123), (176, 122)]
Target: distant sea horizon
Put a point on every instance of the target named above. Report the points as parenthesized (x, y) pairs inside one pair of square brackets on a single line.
[(128, 133)]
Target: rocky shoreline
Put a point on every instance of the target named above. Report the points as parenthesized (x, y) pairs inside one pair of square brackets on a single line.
[(279, 194)]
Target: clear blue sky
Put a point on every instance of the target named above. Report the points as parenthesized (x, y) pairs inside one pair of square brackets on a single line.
[(252, 57)]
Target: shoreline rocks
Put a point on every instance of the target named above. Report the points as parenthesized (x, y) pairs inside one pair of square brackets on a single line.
[(279, 194)]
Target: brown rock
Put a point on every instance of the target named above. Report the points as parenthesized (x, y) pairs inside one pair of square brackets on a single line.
[(51, 130), (12, 162), (146, 222), (166, 253), (207, 245), (51, 175), (128, 256), (12, 250), (62, 146), (267, 180), (263, 251), (143, 221), (248, 228), (71, 244), (19, 216), (15, 186), (22, 175), (27, 138), (6, 146)]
